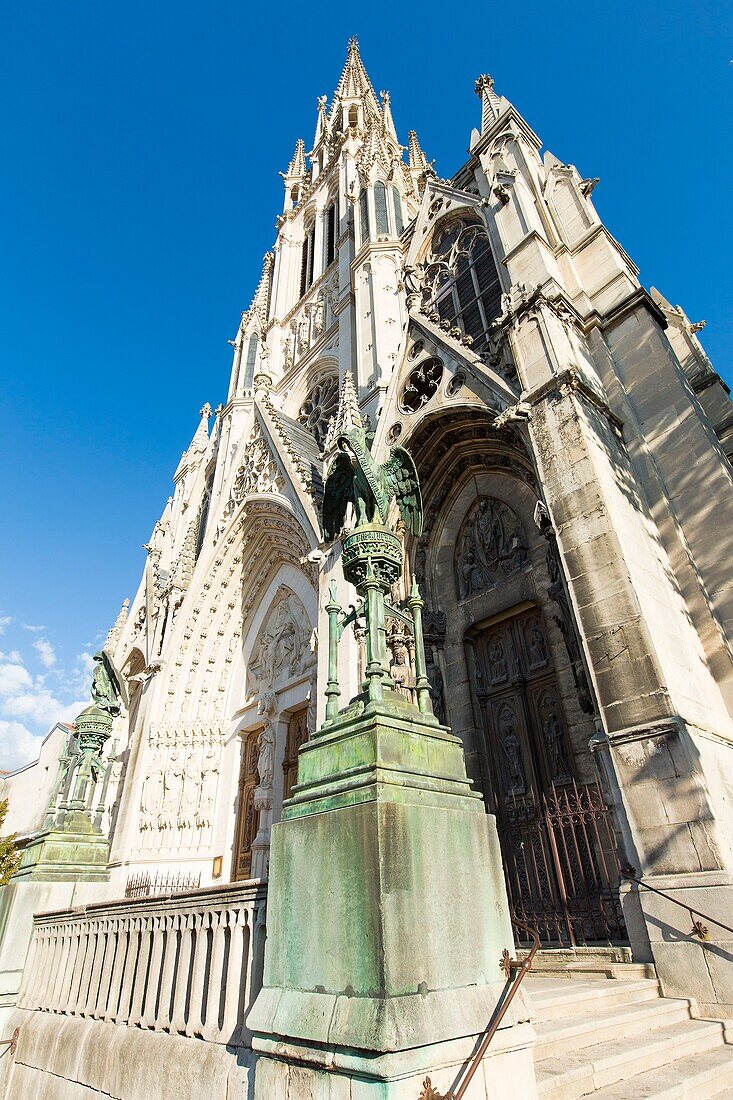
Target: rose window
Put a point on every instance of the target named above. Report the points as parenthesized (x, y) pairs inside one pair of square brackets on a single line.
[(319, 407), (421, 385)]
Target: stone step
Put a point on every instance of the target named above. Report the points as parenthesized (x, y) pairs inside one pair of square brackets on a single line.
[(699, 1077), (587, 1029), (556, 1000), (569, 1076)]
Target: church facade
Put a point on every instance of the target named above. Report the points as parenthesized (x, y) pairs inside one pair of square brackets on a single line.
[(574, 448)]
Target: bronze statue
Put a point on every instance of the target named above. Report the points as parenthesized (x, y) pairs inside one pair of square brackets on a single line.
[(355, 478)]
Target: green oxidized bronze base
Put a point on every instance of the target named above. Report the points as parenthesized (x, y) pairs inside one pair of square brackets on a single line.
[(376, 544)]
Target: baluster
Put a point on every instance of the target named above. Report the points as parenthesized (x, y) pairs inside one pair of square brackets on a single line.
[(90, 1008), (120, 967), (138, 992), (91, 958), (211, 1031), (164, 1013), (195, 1023), (180, 992), (154, 970), (77, 977), (33, 967), (59, 996), (108, 968), (133, 941), (235, 975)]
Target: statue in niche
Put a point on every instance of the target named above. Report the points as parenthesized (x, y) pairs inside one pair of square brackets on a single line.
[(266, 757), (497, 659), (400, 670), (191, 784), (209, 783), (492, 546), (537, 647), (151, 793), (172, 782), (555, 741), (512, 752)]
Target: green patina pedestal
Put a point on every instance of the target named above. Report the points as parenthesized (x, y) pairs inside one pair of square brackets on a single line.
[(71, 847), (387, 913)]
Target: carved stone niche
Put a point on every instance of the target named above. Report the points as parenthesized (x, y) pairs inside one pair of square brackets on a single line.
[(284, 647), (491, 546)]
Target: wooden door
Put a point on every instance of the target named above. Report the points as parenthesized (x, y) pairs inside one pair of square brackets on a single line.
[(247, 816), (297, 736)]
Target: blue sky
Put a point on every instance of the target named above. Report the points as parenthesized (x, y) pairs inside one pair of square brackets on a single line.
[(140, 146)]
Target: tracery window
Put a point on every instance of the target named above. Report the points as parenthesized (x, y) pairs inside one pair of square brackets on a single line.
[(399, 220), (331, 232), (203, 515), (249, 369), (319, 407), (306, 264), (380, 209), (461, 280), (364, 216)]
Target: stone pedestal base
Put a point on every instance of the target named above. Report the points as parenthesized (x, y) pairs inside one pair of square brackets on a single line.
[(75, 851), (387, 919)]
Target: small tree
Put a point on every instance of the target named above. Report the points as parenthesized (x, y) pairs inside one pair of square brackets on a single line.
[(9, 856)]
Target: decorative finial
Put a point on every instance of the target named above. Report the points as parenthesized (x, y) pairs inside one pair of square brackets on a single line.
[(205, 411)]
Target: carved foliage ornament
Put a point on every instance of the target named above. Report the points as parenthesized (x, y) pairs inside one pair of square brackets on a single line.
[(284, 646), (422, 384), (259, 472)]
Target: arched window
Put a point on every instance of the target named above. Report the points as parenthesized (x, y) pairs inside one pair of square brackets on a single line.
[(461, 280), (380, 209), (399, 221), (249, 370), (203, 516), (364, 216), (306, 263), (331, 232), (353, 116)]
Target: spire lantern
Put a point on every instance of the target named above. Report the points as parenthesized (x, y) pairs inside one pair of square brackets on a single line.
[(295, 175)]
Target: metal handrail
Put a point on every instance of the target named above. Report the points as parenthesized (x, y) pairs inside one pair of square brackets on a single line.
[(509, 966), (12, 1042), (698, 928)]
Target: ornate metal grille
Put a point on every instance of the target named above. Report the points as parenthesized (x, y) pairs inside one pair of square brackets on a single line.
[(561, 865), (143, 886)]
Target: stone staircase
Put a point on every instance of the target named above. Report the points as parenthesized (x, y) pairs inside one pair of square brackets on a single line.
[(621, 1039)]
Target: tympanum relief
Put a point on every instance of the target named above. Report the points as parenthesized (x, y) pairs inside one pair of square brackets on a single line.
[(491, 547), (284, 648)]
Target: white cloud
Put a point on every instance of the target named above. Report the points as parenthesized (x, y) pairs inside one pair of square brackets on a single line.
[(5, 621), (18, 746), (41, 708), (33, 629), (13, 678), (46, 652)]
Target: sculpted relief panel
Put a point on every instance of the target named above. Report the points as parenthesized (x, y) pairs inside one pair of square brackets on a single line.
[(179, 790), (491, 546), (284, 647)]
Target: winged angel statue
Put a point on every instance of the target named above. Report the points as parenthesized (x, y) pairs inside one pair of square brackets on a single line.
[(355, 478)]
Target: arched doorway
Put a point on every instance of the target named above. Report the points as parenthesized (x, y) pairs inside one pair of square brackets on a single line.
[(501, 634)]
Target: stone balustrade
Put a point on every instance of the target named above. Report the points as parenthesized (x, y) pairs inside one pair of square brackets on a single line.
[(188, 964)]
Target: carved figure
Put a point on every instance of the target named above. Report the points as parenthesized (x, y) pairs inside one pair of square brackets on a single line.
[(209, 783), (172, 781), (492, 546), (435, 676), (512, 752), (400, 670), (266, 757), (537, 647), (191, 785), (497, 660), (151, 793), (555, 741)]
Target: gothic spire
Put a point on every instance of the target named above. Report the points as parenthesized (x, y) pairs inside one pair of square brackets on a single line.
[(387, 114), (490, 101), (348, 415), (261, 300), (418, 164), (113, 637), (354, 84), (200, 440), (297, 167)]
